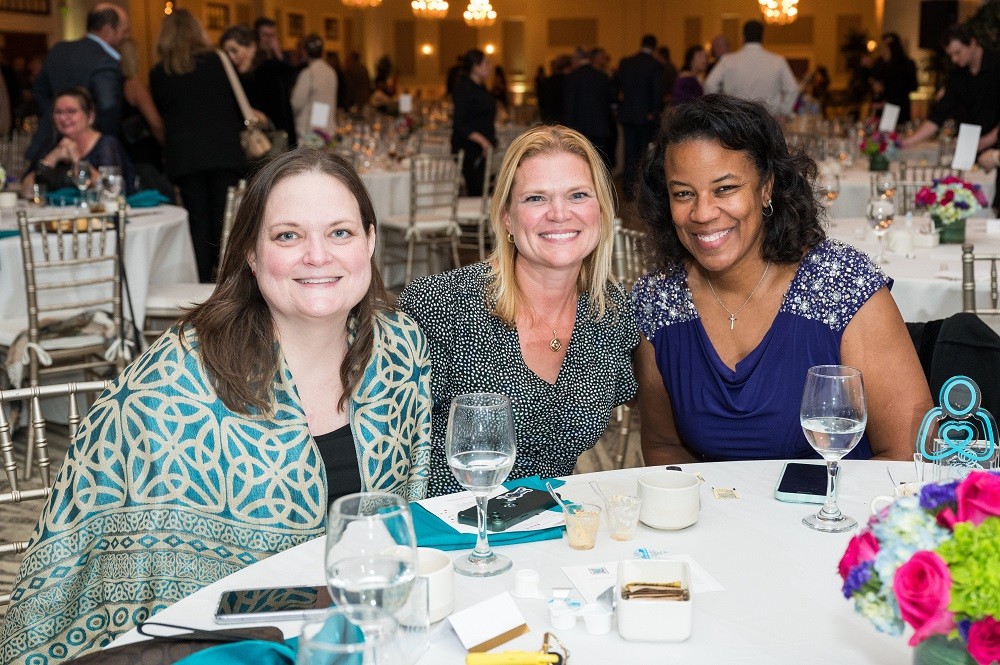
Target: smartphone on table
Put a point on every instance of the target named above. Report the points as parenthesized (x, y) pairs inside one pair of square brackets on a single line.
[(801, 482), (272, 604), (509, 508)]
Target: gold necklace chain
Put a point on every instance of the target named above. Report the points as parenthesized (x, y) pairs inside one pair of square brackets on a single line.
[(732, 315), (555, 345)]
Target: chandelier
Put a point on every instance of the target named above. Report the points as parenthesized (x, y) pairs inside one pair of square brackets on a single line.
[(479, 14), (779, 12), (429, 8), (361, 3)]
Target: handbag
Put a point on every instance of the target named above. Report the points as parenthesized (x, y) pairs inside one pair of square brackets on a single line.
[(256, 142)]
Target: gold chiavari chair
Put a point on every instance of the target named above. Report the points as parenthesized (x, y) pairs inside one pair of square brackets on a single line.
[(969, 260)]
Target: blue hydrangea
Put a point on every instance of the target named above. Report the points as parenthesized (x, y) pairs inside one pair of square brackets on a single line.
[(902, 531), (881, 611)]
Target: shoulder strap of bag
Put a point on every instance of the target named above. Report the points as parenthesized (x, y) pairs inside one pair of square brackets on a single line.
[(241, 96)]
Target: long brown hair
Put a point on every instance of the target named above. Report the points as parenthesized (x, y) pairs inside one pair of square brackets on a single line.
[(235, 329), (181, 38)]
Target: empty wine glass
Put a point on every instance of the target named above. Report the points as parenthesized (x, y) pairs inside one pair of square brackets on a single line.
[(479, 445), (82, 175), (880, 213), (833, 416), (371, 550), (828, 189), (112, 182), (884, 184)]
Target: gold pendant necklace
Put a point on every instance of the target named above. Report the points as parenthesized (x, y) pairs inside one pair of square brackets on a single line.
[(555, 345), (732, 315)]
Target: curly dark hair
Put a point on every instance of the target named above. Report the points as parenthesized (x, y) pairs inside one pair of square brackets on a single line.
[(794, 225)]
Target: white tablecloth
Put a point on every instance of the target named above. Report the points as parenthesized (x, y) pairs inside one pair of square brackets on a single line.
[(390, 191), (855, 190), (158, 250), (781, 601), (927, 282)]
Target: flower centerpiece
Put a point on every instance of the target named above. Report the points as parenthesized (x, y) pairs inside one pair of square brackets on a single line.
[(950, 201), (881, 148), (933, 561), (319, 139)]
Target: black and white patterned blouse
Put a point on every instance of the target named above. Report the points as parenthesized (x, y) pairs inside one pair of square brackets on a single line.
[(473, 351)]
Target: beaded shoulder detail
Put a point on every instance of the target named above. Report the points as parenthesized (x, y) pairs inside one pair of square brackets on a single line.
[(832, 283), (662, 299)]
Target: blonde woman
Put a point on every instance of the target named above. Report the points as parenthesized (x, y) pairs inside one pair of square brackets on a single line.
[(542, 321)]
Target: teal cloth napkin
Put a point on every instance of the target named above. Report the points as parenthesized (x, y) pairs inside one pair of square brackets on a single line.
[(147, 198), (432, 531), (64, 196), (8, 233), (248, 652)]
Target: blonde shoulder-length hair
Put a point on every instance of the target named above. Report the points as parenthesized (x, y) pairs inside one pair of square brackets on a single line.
[(504, 293)]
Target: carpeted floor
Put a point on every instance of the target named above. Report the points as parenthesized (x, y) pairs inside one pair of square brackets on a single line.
[(18, 520)]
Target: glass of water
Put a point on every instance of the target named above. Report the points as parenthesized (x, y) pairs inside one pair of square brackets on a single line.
[(833, 416), (371, 550), (880, 215), (828, 189), (479, 445), (349, 635)]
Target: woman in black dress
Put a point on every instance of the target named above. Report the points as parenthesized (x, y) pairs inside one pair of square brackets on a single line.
[(472, 123)]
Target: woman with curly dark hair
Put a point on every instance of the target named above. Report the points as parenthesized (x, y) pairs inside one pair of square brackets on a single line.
[(748, 293)]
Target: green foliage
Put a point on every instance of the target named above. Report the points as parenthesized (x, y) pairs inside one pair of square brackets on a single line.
[(973, 558)]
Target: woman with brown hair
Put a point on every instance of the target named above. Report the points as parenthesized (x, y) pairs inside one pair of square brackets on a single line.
[(202, 124), (225, 442)]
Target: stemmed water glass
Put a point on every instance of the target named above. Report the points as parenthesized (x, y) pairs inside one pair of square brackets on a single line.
[(112, 182), (885, 184), (371, 550), (480, 447), (82, 175), (828, 189), (880, 213), (349, 634), (833, 417)]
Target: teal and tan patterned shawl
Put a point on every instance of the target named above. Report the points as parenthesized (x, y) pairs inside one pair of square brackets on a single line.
[(166, 490)]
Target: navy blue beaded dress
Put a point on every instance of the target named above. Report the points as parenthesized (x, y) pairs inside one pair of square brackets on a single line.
[(752, 412)]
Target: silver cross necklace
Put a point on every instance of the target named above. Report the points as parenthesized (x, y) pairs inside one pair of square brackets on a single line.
[(732, 314)]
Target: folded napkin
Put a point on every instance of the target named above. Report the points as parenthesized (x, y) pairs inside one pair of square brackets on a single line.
[(248, 652), (432, 531), (147, 198), (64, 196), (7, 233)]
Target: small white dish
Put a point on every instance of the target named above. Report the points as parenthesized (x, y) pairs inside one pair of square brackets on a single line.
[(653, 620)]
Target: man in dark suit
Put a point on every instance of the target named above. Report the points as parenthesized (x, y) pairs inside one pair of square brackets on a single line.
[(587, 100), (640, 88), (90, 62)]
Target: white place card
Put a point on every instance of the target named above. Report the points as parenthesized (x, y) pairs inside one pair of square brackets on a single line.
[(488, 624), (966, 146), (890, 117), (319, 116), (993, 227), (405, 103)]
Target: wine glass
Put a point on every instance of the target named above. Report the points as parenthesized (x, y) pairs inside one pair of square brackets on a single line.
[(112, 182), (82, 175), (833, 417), (348, 634), (828, 189), (880, 213), (371, 550), (885, 184), (480, 448)]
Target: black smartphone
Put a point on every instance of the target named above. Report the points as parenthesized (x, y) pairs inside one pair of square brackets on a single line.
[(510, 508), (274, 604), (802, 483)]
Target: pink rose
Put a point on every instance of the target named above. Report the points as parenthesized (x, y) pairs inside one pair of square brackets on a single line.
[(984, 641), (863, 547), (946, 519), (978, 497), (923, 589)]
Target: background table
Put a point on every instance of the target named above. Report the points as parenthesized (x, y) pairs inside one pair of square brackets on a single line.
[(855, 190), (927, 282), (781, 603), (389, 190), (158, 250)]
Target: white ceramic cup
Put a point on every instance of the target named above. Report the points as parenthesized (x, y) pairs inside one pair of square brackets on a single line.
[(8, 200), (437, 567), (903, 489), (670, 499)]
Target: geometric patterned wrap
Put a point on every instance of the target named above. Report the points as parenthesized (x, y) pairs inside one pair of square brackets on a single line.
[(165, 490)]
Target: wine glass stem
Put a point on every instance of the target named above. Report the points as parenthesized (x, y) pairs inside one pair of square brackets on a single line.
[(830, 510), (482, 541)]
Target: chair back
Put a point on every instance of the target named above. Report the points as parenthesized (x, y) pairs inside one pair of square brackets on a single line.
[(435, 142), (629, 255), (434, 184), (969, 260), (234, 195), (17, 491), (925, 175), (72, 264), (12, 149)]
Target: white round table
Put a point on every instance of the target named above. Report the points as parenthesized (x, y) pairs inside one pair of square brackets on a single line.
[(781, 601)]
